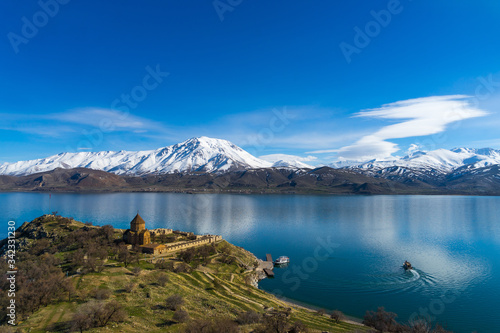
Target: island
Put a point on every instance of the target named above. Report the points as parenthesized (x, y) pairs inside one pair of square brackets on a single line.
[(72, 276)]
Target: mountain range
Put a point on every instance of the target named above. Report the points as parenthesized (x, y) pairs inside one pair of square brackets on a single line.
[(207, 164)]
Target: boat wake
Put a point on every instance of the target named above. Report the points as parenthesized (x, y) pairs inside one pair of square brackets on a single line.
[(415, 277), (395, 282)]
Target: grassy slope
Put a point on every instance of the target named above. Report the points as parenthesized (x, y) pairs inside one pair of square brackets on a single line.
[(230, 296)]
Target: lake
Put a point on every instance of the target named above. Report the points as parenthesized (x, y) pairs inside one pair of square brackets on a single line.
[(346, 252)]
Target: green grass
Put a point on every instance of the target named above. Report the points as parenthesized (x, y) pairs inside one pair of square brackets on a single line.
[(202, 298)]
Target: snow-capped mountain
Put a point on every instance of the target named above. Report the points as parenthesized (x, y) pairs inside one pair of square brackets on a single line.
[(291, 164), (196, 154), (210, 155), (441, 160), (428, 166)]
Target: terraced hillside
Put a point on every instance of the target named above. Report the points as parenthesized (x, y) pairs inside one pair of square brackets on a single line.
[(217, 289)]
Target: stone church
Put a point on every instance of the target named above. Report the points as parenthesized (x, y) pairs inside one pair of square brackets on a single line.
[(137, 234)]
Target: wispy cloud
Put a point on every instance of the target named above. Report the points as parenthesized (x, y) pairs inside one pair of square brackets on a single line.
[(286, 157), (107, 118), (74, 122), (418, 117)]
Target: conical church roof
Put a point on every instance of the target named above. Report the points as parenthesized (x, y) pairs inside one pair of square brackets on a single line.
[(138, 220)]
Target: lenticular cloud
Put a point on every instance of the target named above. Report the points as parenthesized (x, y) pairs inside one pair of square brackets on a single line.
[(419, 117)]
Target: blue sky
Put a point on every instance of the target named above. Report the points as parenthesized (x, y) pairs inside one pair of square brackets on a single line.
[(322, 80)]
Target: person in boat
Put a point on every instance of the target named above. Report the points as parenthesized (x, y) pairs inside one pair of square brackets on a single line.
[(407, 265)]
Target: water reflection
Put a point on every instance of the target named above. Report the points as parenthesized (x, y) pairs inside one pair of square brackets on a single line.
[(453, 242)]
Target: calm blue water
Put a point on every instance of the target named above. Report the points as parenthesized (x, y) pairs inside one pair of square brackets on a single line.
[(346, 251)]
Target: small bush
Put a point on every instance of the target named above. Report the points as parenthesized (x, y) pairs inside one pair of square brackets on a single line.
[(218, 325), (137, 270), (163, 279), (180, 316), (299, 327), (130, 287), (182, 268), (174, 302), (101, 294), (224, 325), (165, 264), (249, 317), (97, 314), (320, 312), (381, 320)]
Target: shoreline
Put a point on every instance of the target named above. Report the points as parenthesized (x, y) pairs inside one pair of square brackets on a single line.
[(246, 192), (309, 307), (292, 303)]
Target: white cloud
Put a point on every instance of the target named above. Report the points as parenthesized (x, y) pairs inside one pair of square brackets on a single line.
[(420, 117), (413, 148), (284, 157), (106, 118)]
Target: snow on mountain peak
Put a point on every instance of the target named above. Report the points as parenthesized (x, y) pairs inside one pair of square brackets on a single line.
[(196, 154), (441, 160)]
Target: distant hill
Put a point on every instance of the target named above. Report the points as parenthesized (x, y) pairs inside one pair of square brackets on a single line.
[(323, 180), (215, 165)]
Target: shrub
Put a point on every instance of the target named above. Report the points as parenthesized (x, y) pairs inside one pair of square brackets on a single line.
[(249, 317), (130, 287), (218, 325), (165, 264), (224, 325), (163, 279), (182, 268), (320, 312), (276, 322), (97, 314), (174, 302), (381, 320), (101, 294), (136, 270), (187, 255), (180, 316), (299, 327)]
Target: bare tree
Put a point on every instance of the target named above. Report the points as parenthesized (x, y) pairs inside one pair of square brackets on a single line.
[(381, 320), (249, 317), (69, 287), (97, 314), (124, 256), (299, 327), (217, 325), (276, 322), (337, 316), (224, 325), (81, 321)]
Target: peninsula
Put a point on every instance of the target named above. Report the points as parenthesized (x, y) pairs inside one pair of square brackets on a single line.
[(73, 276)]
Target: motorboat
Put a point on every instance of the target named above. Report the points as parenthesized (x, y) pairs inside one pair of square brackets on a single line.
[(407, 265), (282, 260)]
